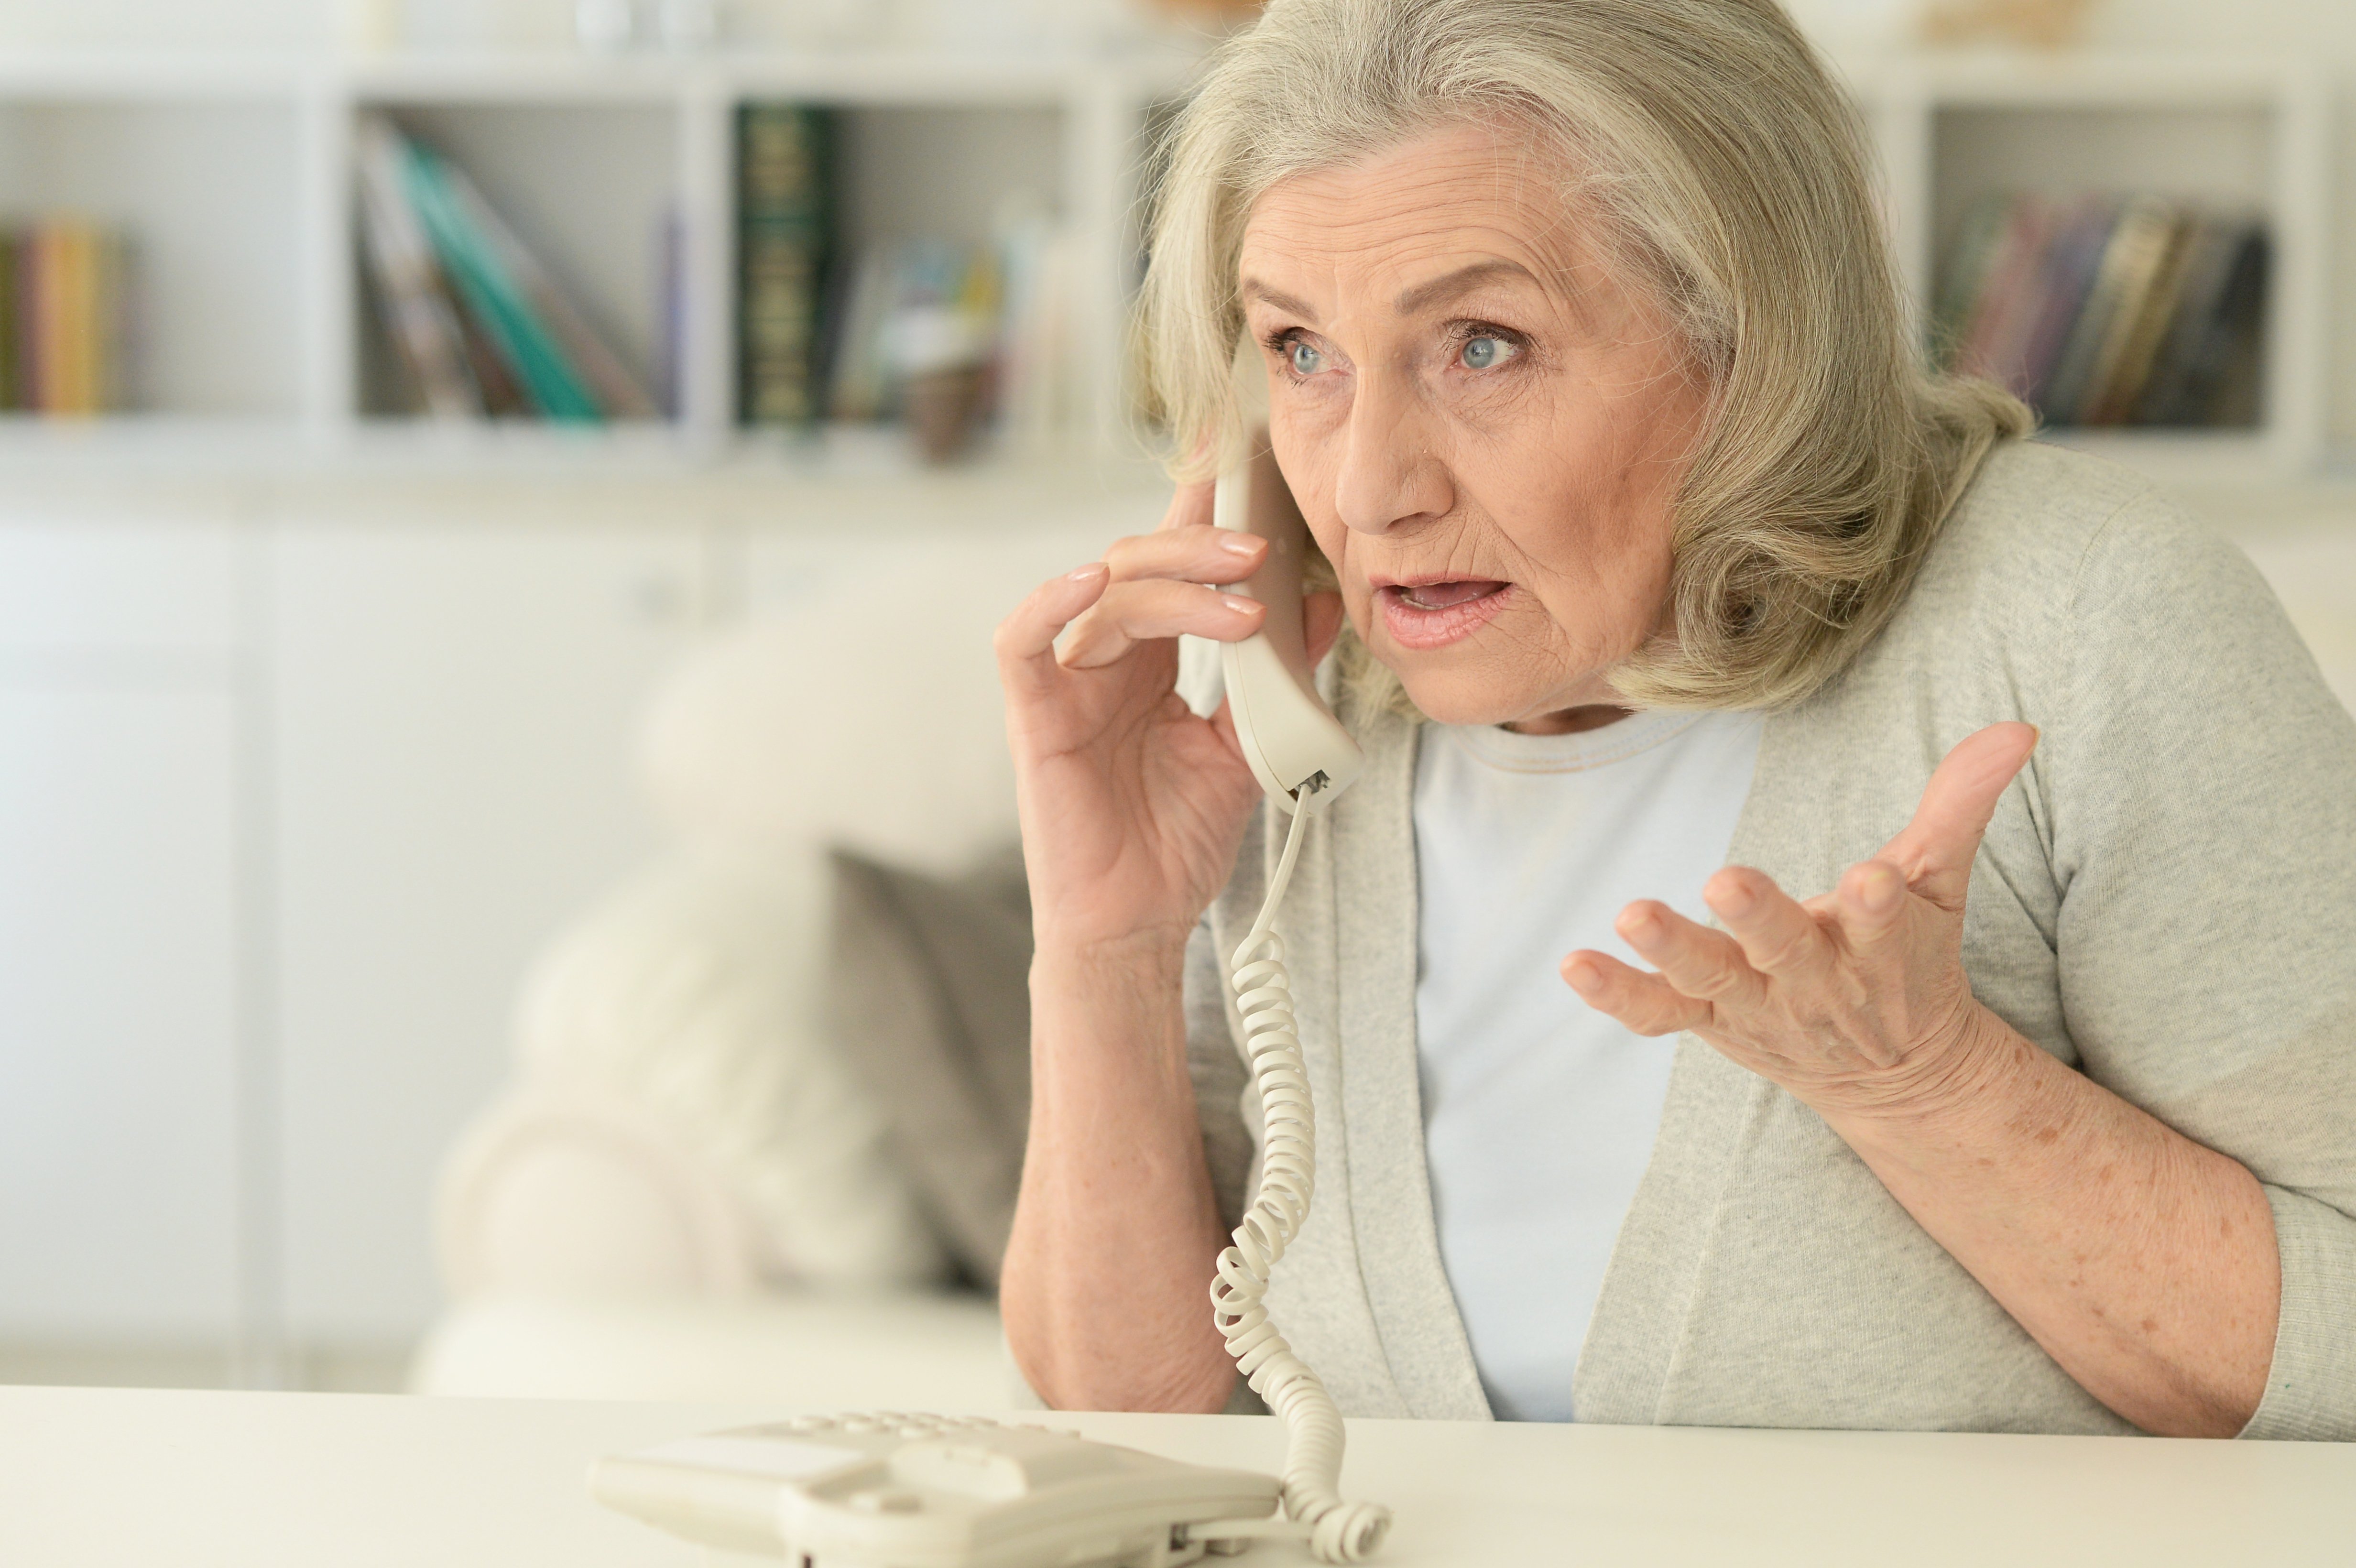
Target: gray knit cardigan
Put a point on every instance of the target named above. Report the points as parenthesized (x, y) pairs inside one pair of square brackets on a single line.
[(2165, 900)]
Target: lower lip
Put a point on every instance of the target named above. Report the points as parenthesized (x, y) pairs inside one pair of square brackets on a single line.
[(1423, 629)]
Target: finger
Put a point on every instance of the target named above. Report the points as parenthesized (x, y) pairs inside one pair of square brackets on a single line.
[(1697, 960), (1645, 1004), (1192, 553), (1776, 934), (1320, 624), (1132, 612), (1025, 641), (1935, 849), (1871, 905), (1191, 504)]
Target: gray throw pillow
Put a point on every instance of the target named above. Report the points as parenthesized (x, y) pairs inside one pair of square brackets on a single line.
[(929, 1000)]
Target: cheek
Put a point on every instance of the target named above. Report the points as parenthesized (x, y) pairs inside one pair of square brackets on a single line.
[(1598, 557), (1600, 487), (1307, 448), (1309, 464)]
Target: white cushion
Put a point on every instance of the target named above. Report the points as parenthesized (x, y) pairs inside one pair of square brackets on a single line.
[(576, 1192), (688, 996), (782, 737)]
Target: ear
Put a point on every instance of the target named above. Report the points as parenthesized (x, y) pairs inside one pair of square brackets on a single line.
[(1320, 624)]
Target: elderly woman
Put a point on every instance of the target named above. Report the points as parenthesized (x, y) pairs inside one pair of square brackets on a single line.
[(1976, 839)]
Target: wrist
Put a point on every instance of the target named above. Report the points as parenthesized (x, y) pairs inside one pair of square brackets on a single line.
[(1947, 1090), (1149, 956)]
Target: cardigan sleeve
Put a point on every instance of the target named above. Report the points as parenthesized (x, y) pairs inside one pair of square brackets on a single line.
[(2201, 785)]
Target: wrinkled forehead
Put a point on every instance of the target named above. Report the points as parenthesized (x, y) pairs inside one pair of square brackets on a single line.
[(1455, 210), (1443, 201)]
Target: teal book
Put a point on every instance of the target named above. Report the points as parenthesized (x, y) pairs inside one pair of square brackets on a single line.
[(492, 296)]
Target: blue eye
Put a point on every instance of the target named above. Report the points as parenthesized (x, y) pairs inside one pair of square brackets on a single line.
[(1482, 353), (1306, 361)]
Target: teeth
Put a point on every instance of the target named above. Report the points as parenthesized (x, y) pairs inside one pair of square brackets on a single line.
[(1446, 595)]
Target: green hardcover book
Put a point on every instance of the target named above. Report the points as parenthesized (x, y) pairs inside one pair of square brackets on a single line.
[(784, 215)]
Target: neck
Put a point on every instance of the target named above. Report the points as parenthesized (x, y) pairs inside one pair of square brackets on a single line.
[(1570, 721)]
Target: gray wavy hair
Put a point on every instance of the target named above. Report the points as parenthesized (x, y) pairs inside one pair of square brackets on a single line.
[(1732, 178)]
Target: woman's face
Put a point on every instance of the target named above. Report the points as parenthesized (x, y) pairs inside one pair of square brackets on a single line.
[(1485, 429)]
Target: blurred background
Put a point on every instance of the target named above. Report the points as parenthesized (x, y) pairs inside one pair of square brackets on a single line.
[(506, 869)]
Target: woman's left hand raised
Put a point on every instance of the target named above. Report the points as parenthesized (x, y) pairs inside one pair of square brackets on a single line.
[(1855, 1001)]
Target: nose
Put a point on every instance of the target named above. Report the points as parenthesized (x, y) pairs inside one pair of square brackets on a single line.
[(1389, 474)]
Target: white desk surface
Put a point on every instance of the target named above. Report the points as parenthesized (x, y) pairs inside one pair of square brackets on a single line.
[(103, 1477)]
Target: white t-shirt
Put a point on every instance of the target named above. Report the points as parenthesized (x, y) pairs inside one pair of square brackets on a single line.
[(1539, 1113)]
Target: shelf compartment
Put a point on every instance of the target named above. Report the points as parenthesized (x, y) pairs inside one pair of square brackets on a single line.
[(206, 190), (592, 189)]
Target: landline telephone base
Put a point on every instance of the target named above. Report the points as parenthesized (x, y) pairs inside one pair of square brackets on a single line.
[(888, 1490)]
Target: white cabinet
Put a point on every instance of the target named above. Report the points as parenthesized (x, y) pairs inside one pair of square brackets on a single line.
[(119, 1025), (454, 703), (292, 791)]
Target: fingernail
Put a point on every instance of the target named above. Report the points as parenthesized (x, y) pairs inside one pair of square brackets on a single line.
[(1239, 603), (1734, 900), (1582, 976), (1093, 569), (1640, 925), (1238, 544)]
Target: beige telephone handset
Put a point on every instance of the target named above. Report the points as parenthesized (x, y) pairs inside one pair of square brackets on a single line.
[(894, 1490), (1286, 734)]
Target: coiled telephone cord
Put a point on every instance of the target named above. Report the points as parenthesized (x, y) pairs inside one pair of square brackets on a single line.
[(1339, 1531)]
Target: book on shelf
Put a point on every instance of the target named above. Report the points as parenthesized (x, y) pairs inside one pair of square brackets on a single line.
[(67, 318), (415, 301), (922, 308), (784, 216), (2108, 311), (482, 327), (827, 331)]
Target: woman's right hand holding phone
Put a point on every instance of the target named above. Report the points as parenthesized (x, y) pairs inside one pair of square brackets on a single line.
[(1131, 806), (1132, 810)]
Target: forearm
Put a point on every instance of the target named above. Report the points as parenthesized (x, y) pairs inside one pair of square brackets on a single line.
[(1107, 1284), (2142, 1262)]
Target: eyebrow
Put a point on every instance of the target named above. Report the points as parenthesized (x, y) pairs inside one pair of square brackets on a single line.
[(1421, 298), (1254, 289), (1463, 280)]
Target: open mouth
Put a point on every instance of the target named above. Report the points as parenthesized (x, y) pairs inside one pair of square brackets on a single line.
[(1432, 614)]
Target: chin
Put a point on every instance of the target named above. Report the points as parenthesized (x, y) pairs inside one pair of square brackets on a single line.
[(1471, 696)]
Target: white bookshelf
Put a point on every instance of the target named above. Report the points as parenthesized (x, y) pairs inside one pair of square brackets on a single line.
[(2235, 135), (234, 176)]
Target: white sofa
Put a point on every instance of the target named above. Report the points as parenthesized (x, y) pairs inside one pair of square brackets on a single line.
[(684, 1195)]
